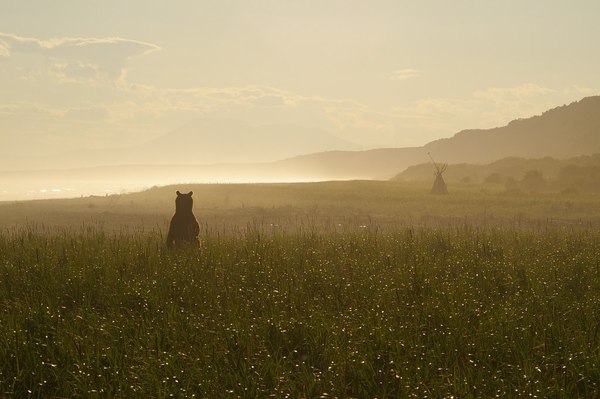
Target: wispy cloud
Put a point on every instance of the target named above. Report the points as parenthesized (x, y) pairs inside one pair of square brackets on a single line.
[(63, 45), (4, 49), (139, 111), (523, 91), (79, 58), (250, 96), (23, 109), (403, 74), (486, 108)]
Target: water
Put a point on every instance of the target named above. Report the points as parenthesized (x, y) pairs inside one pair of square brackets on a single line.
[(23, 191), (39, 189)]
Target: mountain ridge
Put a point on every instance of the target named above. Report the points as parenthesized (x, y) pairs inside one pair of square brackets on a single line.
[(561, 132), (212, 141)]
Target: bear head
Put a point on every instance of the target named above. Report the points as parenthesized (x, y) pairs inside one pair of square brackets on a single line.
[(184, 202)]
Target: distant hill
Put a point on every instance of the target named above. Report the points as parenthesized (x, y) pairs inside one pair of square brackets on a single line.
[(498, 171), (561, 132), (210, 141), (207, 141)]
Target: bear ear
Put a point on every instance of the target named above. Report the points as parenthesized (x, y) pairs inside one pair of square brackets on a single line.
[(190, 193), (178, 193)]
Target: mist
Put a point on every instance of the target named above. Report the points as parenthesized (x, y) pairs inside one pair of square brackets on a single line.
[(558, 135)]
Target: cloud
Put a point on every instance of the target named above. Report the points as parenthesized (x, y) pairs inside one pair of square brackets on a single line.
[(520, 92), (250, 96), (403, 74), (413, 123), (484, 108), (76, 71), (579, 90), (4, 50), (92, 114), (137, 112), (77, 58), (270, 101)]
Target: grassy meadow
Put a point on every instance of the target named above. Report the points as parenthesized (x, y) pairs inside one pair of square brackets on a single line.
[(346, 289), (344, 204)]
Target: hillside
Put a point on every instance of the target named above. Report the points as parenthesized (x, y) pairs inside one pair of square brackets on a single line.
[(513, 167), (579, 173), (561, 132)]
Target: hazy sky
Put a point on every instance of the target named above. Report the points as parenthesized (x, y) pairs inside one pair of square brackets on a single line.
[(378, 73)]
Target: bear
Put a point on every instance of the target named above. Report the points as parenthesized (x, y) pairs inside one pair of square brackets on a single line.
[(184, 227)]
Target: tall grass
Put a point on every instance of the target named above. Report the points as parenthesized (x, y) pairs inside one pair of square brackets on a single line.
[(457, 312)]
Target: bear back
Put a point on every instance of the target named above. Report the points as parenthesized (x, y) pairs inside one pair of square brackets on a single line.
[(184, 227)]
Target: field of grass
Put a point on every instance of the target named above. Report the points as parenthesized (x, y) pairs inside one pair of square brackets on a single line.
[(346, 203), (289, 296)]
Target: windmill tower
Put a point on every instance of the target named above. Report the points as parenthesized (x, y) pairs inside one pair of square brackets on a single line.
[(439, 185)]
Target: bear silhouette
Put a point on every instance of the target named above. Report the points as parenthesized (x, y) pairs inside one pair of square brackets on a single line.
[(184, 228)]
